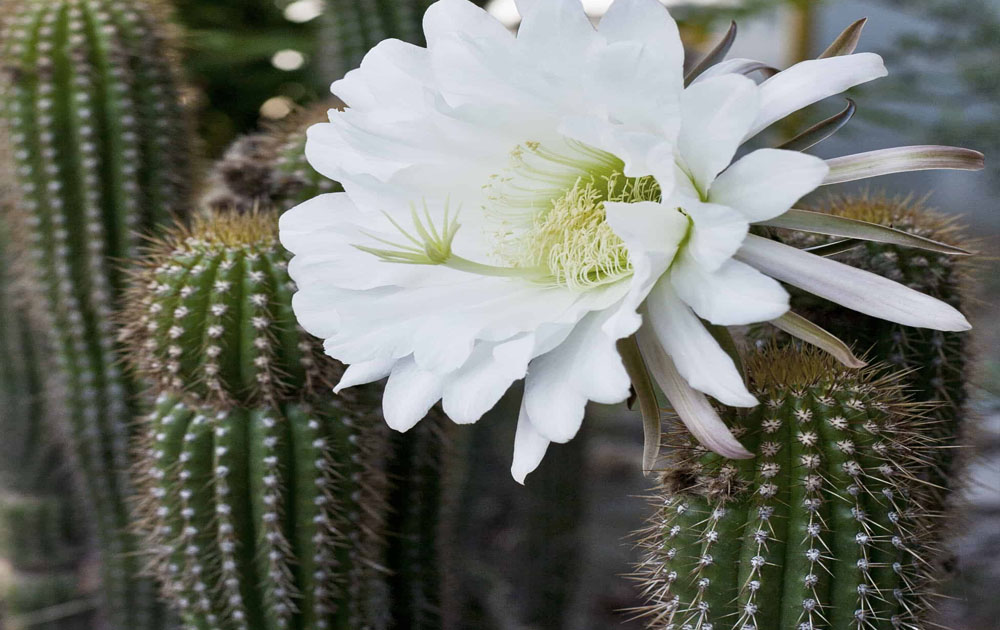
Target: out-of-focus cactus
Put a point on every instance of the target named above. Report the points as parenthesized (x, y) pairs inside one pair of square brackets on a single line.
[(353, 27), (40, 546), (269, 169), (936, 363), (95, 140), (823, 528), (253, 476), (43, 548)]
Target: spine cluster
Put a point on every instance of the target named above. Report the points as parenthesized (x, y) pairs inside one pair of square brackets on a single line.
[(823, 529), (255, 517), (210, 315), (94, 139)]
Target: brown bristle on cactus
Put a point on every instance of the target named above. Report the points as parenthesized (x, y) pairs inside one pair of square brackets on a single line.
[(95, 144), (822, 529), (267, 518), (270, 168), (937, 362), (209, 314)]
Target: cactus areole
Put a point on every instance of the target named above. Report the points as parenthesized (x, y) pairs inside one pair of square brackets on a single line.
[(821, 530)]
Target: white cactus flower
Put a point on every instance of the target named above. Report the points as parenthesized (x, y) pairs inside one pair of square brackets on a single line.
[(557, 207)]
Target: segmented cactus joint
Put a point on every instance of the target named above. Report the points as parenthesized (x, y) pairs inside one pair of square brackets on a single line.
[(822, 529), (264, 518), (210, 315)]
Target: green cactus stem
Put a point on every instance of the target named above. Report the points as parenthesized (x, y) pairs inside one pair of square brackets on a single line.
[(37, 531), (823, 528), (268, 518), (42, 542), (95, 140), (210, 315), (937, 363), (416, 469), (269, 169), (246, 485)]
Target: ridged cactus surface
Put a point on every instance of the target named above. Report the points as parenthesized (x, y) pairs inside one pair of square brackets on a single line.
[(95, 140), (43, 547), (822, 529), (266, 502), (937, 363), (265, 518), (210, 315)]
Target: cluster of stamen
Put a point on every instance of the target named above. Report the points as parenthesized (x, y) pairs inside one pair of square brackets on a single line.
[(551, 211), (546, 214)]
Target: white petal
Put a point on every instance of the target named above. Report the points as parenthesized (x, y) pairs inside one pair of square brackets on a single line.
[(584, 367), (734, 295), (557, 33), (810, 81), (446, 17), (640, 73), (365, 372), (392, 74), (654, 228), (481, 382), (767, 182), (652, 232), (647, 22), (529, 447), (298, 227), (715, 114), (691, 406), (316, 312), (856, 289), (717, 232), (738, 65), (698, 356), (409, 395)]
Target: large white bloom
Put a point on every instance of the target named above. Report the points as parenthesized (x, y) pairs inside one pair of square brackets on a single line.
[(519, 207)]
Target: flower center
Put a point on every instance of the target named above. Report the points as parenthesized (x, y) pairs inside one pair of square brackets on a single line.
[(551, 211)]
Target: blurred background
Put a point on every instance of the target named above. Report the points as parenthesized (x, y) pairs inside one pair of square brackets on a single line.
[(253, 62)]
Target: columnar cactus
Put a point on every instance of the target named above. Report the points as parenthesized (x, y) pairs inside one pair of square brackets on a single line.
[(47, 585), (265, 518), (936, 362), (96, 140), (41, 541), (210, 315), (261, 507), (821, 529)]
